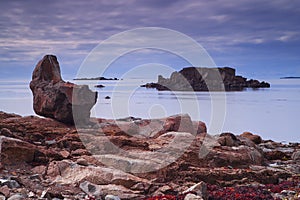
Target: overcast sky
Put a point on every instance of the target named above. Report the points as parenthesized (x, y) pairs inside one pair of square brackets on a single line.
[(261, 38)]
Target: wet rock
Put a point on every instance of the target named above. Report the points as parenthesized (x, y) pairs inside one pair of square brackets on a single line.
[(57, 99), (254, 138)]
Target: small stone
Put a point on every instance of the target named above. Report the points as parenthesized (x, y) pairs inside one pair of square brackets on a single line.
[(79, 152), (288, 192), (31, 194), (64, 154), (163, 190), (50, 142), (35, 177), (296, 156), (192, 197), (41, 169), (5, 190), (111, 197), (10, 183), (16, 197), (82, 161), (99, 86), (90, 189), (44, 193), (200, 189)]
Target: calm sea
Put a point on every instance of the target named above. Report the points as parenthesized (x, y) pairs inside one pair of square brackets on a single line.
[(272, 113)]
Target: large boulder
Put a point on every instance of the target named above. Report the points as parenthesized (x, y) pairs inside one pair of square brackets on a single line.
[(254, 138), (57, 99), (14, 151)]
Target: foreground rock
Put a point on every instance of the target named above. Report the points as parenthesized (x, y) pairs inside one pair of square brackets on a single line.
[(57, 99), (205, 79), (42, 158)]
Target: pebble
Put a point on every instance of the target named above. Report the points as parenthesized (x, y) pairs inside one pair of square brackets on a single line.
[(50, 142), (112, 197), (31, 194), (10, 183), (90, 188), (200, 189), (296, 156), (5, 190), (16, 197), (82, 161), (192, 197)]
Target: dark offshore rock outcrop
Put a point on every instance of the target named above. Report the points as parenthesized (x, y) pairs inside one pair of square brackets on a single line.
[(57, 99), (205, 79)]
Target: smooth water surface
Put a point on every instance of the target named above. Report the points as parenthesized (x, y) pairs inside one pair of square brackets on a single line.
[(271, 113)]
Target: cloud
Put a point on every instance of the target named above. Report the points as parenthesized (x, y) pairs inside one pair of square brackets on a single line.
[(73, 28)]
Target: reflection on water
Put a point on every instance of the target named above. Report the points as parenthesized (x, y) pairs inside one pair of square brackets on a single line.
[(272, 113)]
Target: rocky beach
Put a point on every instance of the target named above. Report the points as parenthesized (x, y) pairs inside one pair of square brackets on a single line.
[(66, 154), (42, 158)]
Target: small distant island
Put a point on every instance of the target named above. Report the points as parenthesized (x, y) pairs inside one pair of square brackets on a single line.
[(101, 78), (290, 77), (205, 79)]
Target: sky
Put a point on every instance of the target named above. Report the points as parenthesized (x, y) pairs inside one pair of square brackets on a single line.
[(260, 38)]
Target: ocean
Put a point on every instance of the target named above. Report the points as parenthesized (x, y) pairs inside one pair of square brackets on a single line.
[(271, 112)]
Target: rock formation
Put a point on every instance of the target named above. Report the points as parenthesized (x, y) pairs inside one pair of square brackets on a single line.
[(57, 99), (205, 79), (41, 158)]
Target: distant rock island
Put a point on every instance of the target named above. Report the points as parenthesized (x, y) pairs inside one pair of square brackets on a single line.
[(205, 79), (101, 78), (290, 77)]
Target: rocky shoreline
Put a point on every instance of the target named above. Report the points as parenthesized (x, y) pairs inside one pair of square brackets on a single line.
[(45, 159), (68, 155)]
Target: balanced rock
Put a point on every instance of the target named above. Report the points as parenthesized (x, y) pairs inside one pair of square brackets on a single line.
[(57, 99)]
